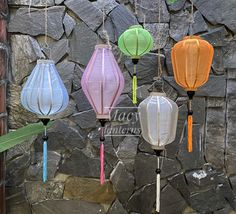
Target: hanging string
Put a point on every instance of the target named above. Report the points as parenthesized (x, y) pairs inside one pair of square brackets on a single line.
[(159, 75), (46, 25), (191, 19), (104, 31), (29, 9)]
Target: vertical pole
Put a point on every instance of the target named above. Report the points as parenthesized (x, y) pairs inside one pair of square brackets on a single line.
[(3, 88)]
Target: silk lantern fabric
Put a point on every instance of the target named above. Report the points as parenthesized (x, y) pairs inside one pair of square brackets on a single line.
[(191, 59), (44, 92), (158, 118), (135, 42), (102, 81)]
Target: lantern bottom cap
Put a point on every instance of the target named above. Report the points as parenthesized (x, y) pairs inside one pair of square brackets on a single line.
[(102, 116)]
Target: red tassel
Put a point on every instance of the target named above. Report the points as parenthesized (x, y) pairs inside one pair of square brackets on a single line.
[(102, 175)]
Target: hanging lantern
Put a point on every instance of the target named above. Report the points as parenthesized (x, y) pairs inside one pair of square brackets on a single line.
[(191, 59), (135, 42), (44, 94), (102, 83), (158, 117)]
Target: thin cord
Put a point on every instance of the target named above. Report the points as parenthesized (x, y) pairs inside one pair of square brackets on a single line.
[(159, 73), (46, 25), (103, 25), (30, 3), (191, 19)]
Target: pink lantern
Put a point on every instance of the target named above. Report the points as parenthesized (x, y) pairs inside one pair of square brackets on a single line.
[(102, 83)]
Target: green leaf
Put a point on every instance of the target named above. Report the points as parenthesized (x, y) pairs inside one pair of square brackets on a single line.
[(172, 1), (21, 135)]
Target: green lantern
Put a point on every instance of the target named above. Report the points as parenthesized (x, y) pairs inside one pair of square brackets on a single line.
[(135, 42)]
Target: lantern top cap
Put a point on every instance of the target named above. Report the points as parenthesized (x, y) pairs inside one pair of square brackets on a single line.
[(191, 37), (135, 26), (102, 46), (158, 94), (45, 61)]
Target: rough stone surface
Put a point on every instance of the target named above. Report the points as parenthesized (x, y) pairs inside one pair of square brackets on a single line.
[(35, 3), (86, 11), (156, 29), (66, 72), (146, 68), (117, 208), (179, 25), (82, 44), (35, 170), (34, 23), (199, 24), (56, 51), (122, 19), (82, 164), (18, 116), (25, 51), (62, 207), (69, 24), (218, 11), (90, 190), (123, 182), (215, 87), (148, 11), (107, 5), (39, 191), (127, 151)]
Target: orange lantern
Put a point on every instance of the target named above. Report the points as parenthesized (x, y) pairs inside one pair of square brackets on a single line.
[(191, 59)]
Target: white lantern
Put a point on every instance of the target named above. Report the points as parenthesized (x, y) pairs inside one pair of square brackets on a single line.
[(158, 118), (44, 94)]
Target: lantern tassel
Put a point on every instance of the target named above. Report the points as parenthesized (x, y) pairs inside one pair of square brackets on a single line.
[(190, 133), (45, 160), (45, 150), (158, 192), (102, 139), (102, 174), (134, 89)]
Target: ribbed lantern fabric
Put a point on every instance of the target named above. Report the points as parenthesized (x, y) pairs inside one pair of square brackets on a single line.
[(44, 94), (191, 59), (158, 117), (135, 42), (102, 81)]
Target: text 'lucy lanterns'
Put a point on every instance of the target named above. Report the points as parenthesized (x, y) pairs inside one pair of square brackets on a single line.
[(102, 83), (44, 94), (158, 118), (191, 59), (135, 42)]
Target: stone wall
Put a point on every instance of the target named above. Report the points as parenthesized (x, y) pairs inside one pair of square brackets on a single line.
[(202, 182)]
